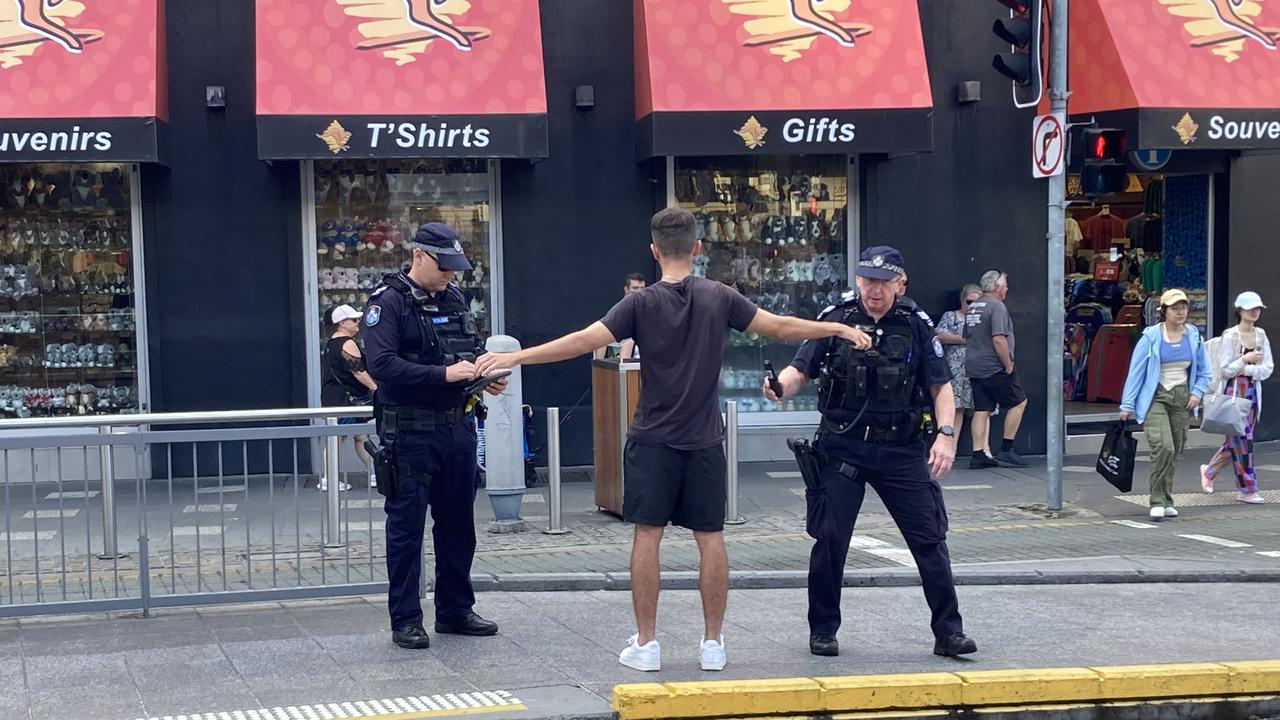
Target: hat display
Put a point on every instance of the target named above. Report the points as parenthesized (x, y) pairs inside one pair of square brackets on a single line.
[(1249, 300), (881, 263), (1173, 297), (442, 243), (344, 312)]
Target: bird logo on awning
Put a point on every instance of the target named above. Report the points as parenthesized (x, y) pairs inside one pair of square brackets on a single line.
[(28, 25), (789, 28), (404, 29), (1226, 26)]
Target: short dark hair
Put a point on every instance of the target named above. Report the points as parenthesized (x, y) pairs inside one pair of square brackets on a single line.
[(672, 232), (635, 277)]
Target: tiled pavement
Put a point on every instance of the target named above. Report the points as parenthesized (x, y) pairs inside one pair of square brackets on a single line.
[(556, 652)]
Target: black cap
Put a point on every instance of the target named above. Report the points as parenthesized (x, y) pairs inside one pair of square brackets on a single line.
[(441, 242), (881, 263)]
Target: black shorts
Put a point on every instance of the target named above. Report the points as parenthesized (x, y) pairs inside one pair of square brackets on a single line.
[(681, 487), (1002, 390)]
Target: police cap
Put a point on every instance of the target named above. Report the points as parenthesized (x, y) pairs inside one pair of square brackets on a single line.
[(881, 263), (441, 242)]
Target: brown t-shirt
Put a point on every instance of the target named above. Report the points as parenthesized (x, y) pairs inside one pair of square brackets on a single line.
[(682, 328)]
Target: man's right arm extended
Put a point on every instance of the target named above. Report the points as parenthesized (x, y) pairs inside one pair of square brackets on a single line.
[(782, 327)]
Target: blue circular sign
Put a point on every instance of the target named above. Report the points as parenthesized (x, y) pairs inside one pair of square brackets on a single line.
[(1150, 160)]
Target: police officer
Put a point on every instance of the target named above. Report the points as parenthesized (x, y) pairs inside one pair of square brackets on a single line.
[(873, 407), (421, 344)]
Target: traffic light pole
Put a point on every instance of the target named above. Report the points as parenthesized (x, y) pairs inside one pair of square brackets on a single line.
[(1057, 421)]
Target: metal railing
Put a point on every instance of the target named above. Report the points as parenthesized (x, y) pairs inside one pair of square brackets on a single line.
[(166, 509), (220, 505)]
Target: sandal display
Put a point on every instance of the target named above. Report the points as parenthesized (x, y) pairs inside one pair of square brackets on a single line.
[(774, 229), (366, 212), (67, 305)]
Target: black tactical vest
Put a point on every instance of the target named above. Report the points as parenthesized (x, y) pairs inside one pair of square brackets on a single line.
[(449, 331), (881, 380)]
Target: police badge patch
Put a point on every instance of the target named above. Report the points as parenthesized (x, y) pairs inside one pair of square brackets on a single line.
[(937, 347), (372, 315)]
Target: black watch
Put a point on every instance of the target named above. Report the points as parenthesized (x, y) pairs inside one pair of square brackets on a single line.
[(947, 430)]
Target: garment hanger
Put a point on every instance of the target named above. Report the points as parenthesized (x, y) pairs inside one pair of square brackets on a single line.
[(1106, 210)]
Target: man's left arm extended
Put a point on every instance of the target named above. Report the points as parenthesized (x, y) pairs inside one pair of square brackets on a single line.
[(569, 346)]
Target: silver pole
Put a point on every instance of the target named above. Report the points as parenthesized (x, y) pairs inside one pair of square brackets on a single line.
[(1057, 252), (731, 516), (555, 524), (333, 494), (106, 453)]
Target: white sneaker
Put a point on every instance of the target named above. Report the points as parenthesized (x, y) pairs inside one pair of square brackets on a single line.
[(373, 479), (711, 653), (1170, 513), (324, 485), (647, 657), (1157, 514)]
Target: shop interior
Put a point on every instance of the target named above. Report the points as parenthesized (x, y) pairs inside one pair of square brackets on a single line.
[(774, 228), (367, 211), (1121, 254), (68, 319)]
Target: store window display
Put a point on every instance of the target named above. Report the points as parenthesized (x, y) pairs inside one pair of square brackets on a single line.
[(68, 322), (774, 229), (366, 212), (1131, 248)]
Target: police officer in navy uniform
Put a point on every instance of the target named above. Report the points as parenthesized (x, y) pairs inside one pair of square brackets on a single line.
[(421, 343), (873, 431)]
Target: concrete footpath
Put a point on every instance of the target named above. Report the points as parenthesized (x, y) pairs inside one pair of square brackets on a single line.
[(555, 656)]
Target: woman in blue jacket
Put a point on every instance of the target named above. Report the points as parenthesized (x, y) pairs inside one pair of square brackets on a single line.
[(1168, 374)]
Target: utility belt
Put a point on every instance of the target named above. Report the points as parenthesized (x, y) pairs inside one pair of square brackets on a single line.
[(405, 418), (906, 429)]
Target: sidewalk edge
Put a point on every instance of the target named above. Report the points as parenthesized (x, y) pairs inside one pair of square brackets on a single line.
[(949, 691)]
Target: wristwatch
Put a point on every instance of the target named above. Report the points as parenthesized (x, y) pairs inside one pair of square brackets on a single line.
[(947, 430)]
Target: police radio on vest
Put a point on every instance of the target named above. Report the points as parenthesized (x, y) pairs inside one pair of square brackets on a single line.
[(817, 130)]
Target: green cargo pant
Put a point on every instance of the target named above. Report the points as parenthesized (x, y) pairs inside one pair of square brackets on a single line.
[(1166, 429)]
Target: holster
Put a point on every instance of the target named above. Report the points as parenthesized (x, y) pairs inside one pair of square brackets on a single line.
[(807, 459), (384, 464)]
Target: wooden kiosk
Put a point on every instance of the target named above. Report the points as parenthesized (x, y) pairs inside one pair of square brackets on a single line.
[(615, 390)]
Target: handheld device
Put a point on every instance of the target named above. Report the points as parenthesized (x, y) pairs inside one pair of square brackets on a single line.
[(774, 384), (484, 382)]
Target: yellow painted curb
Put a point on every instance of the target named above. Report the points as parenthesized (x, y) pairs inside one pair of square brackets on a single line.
[(877, 692), (1019, 687), (928, 692), (1147, 682), (1254, 676)]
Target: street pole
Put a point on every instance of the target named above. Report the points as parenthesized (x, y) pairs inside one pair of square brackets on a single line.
[(1056, 420)]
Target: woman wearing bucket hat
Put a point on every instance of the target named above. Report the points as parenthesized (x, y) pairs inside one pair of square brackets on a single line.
[(1243, 359), (1168, 374)]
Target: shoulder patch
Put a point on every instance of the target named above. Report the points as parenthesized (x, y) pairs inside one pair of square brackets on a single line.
[(937, 347), (849, 295), (826, 311), (381, 289), (372, 315), (925, 317)]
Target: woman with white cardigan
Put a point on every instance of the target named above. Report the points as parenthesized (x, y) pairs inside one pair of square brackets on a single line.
[(1244, 361)]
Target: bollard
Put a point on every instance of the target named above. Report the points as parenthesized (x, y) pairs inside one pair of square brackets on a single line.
[(504, 454), (731, 516), (555, 526), (333, 495), (106, 458)]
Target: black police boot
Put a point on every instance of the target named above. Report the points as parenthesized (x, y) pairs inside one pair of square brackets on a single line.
[(469, 624), (411, 637), (955, 645), (825, 645)]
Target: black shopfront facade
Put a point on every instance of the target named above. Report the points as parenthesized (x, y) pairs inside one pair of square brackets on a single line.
[(230, 230)]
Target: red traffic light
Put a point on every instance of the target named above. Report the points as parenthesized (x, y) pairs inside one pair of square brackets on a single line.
[(1106, 145)]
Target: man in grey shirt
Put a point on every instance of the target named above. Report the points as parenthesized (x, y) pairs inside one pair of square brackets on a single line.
[(989, 354)]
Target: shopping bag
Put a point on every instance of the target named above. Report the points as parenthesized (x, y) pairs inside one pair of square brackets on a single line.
[(1118, 455), (1225, 414)]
